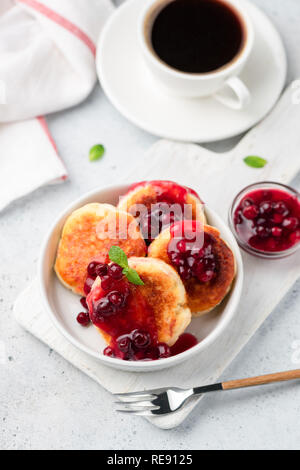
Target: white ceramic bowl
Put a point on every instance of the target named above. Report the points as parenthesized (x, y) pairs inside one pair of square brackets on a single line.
[(63, 306)]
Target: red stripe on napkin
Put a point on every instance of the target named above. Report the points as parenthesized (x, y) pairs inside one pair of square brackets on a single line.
[(44, 125), (52, 15)]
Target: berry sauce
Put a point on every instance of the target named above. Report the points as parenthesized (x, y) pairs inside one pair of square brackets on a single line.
[(185, 341), (191, 252), (159, 216), (83, 318), (119, 310), (268, 220)]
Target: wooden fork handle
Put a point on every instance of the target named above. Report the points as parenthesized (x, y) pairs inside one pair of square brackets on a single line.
[(262, 380)]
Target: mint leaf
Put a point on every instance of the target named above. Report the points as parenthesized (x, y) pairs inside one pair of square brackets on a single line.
[(255, 162), (133, 276), (96, 152), (117, 255)]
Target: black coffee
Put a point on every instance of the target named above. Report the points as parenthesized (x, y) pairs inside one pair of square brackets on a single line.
[(197, 36)]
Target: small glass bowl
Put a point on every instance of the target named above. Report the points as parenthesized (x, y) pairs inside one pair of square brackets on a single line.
[(244, 245)]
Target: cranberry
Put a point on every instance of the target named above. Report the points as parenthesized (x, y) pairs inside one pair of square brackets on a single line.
[(206, 276), (109, 352), (276, 232), (192, 255), (115, 271), (295, 237), (83, 318), (124, 343), (101, 269), (181, 246), (277, 218), (163, 350), (107, 283), (103, 307), (261, 221), (141, 339), (184, 273), (88, 285), (263, 232), (250, 212), (247, 202), (91, 269), (157, 218), (116, 298), (290, 223), (84, 303), (177, 259), (280, 208), (265, 207)]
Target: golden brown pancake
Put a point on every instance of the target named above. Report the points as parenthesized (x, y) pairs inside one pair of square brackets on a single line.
[(202, 296), (164, 292), (88, 234), (148, 193)]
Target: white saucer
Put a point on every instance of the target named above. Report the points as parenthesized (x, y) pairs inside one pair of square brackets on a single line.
[(135, 93)]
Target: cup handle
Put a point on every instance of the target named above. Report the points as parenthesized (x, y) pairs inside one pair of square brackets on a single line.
[(234, 94)]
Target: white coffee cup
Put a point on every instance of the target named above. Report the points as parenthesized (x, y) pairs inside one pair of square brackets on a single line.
[(224, 83)]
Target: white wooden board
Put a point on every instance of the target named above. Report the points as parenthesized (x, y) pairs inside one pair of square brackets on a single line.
[(217, 178)]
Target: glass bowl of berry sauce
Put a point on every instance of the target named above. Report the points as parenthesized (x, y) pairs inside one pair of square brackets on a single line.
[(265, 219)]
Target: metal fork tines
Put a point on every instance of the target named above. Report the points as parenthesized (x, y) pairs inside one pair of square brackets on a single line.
[(168, 400), (153, 402)]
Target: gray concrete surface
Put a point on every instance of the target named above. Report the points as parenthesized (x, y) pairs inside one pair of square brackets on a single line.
[(47, 404)]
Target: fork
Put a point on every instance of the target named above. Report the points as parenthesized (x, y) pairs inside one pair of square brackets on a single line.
[(162, 401)]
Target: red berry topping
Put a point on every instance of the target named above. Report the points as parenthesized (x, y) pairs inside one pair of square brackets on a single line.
[(263, 232), (83, 318), (163, 350), (83, 303), (280, 208), (276, 232), (108, 351), (141, 339), (277, 218), (265, 207), (101, 269), (103, 308), (107, 283), (119, 314), (247, 202), (124, 343), (115, 271), (295, 236), (273, 227), (116, 298), (290, 223), (250, 212), (91, 269), (193, 256), (88, 285)]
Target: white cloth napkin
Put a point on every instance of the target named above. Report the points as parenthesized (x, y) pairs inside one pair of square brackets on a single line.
[(47, 63)]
